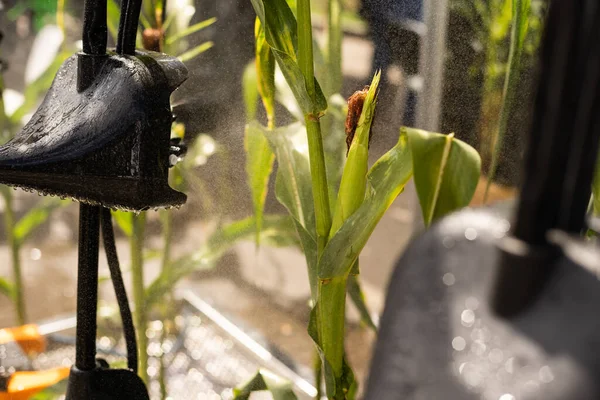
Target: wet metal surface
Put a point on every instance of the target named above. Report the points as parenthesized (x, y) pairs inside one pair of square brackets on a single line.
[(439, 338)]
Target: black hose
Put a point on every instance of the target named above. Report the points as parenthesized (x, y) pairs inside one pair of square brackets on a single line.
[(128, 25), (117, 278), (94, 27)]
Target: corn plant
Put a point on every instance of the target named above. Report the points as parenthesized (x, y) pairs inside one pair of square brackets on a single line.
[(333, 233), (49, 53)]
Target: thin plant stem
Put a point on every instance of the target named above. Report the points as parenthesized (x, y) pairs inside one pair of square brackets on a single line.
[(332, 308), (313, 127), (520, 13), (137, 271), (9, 224), (334, 43), (167, 233), (162, 373)]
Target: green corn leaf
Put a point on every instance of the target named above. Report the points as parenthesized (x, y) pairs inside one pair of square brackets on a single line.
[(277, 231), (265, 71), (354, 179), (196, 51), (259, 165), (285, 96), (293, 187), (7, 288), (293, 75), (386, 180), (35, 217), (124, 222), (192, 29), (446, 172), (334, 143), (358, 298), (282, 36), (280, 25), (281, 389), (250, 91)]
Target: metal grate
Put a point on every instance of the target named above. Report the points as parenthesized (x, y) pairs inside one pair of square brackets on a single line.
[(209, 356)]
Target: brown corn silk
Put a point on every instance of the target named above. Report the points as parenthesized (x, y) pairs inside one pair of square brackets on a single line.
[(355, 106)]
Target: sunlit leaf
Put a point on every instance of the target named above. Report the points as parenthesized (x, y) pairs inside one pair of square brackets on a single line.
[(293, 75), (285, 96), (265, 72), (386, 180), (259, 165), (124, 222), (35, 217), (190, 30), (354, 178), (293, 186), (250, 91), (7, 288), (334, 143), (358, 298), (446, 172), (196, 51), (179, 14), (45, 49), (281, 34), (280, 389)]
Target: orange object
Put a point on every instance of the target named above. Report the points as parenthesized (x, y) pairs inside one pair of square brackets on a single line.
[(22, 385), (28, 337)]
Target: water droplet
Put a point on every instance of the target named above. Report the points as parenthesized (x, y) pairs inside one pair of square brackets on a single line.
[(496, 356), (472, 303), (507, 396), (449, 279), (467, 318), (459, 343), (546, 374), (470, 234), (448, 242), (478, 348), (509, 366), (531, 386), (35, 254)]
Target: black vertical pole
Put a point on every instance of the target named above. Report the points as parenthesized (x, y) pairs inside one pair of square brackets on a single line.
[(561, 156), (87, 287), (128, 26), (94, 43), (95, 27)]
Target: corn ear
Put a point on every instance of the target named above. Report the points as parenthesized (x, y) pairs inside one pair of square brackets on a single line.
[(354, 178)]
